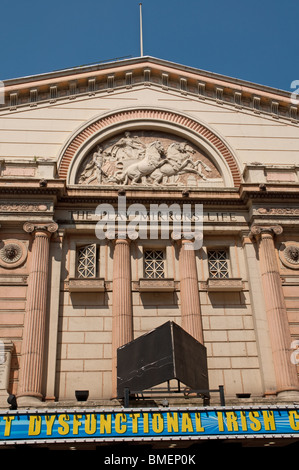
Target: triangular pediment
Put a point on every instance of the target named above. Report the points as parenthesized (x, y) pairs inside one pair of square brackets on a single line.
[(88, 81), (63, 117)]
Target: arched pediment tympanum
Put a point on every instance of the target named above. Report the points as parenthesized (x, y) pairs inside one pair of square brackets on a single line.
[(115, 149)]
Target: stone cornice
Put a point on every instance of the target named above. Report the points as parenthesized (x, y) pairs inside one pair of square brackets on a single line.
[(84, 82)]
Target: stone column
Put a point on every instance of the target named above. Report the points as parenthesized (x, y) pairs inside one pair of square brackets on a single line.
[(31, 370), (279, 331), (122, 318), (190, 302)]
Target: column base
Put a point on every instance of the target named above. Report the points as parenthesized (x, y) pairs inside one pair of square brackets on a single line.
[(288, 395), (29, 400)]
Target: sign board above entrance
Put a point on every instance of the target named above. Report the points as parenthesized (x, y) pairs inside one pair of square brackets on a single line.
[(104, 425)]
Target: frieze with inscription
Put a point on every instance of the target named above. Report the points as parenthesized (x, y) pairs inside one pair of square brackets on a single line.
[(147, 158), (89, 215)]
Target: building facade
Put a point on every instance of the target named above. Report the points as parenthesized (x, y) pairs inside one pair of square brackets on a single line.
[(137, 193)]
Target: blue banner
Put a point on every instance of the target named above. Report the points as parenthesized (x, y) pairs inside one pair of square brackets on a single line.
[(133, 424)]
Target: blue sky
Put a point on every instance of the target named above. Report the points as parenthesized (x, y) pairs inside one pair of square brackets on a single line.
[(255, 41)]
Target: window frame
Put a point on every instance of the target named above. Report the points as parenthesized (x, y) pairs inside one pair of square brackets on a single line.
[(156, 264), (95, 261), (220, 265)]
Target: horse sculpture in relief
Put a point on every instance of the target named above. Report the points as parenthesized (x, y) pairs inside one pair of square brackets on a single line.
[(153, 159), (132, 161), (179, 161)]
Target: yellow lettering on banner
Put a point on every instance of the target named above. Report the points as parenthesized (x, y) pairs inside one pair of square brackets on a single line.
[(105, 424), (255, 424), (157, 423), (35, 425), (90, 423), (220, 421), (65, 428), (293, 415), (243, 420), (145, 423), (76, 423), (232, 421), (199, 427), (172, 422), (8, 420), (269, 421), (135, 417), (187, 425), (49, 423), (119, 419)]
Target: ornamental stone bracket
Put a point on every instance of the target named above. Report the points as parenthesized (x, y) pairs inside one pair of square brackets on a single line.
[(156, 285), (86, 285), (224, 285)]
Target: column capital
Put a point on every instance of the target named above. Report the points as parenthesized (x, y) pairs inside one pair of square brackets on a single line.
[(259, 230), (187, 240), (35, 227)]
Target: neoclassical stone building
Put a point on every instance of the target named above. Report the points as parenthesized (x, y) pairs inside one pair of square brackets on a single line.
[(151, 133)]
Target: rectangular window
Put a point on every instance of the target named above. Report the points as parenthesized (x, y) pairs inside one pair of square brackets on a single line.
[(87, 261), (218, 265), (154, 264)]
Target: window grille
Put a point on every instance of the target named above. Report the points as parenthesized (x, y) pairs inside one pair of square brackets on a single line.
[(218, 265), (86, 261), (154, 264)]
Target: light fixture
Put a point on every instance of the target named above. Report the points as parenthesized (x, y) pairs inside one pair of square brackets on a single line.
[(81, 395), (12, 401)]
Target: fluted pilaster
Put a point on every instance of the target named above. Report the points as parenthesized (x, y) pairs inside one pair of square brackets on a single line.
[(30, 383), (279, 331), (190, 302), (122, 319)]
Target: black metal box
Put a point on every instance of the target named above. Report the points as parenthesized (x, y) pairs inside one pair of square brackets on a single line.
[(165, 353)]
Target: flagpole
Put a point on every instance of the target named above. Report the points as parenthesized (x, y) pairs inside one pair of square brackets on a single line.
[(141, 35)]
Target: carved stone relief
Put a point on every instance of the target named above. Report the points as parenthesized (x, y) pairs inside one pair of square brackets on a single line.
[(289, 254), (12, 253), (147, 158), (277, 211)]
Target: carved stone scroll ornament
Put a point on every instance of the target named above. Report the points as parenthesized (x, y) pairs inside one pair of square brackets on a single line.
[(287, 211), (149, 159), (49, 228), (257, 230)]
